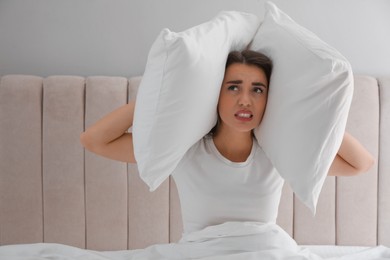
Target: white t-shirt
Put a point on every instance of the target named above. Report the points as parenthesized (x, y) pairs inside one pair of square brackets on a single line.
[(214, 190)]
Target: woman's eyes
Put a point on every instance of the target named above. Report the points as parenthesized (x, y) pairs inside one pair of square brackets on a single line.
[(257, 90), (233, 87)]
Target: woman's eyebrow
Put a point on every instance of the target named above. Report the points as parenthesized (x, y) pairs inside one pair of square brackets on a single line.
[(234, 82), (259, 84), (253, 83)]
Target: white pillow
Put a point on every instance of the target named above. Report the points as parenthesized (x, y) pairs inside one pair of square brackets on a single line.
[(177, 98), (309, 98)]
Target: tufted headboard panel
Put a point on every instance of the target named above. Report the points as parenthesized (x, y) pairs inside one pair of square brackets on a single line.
[(52, 190)]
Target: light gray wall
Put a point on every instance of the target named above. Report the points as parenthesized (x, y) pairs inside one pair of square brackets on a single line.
[(113, 37)]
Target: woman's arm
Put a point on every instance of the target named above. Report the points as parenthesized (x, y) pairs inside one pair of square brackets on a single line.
[(108, 137), (351, 159)]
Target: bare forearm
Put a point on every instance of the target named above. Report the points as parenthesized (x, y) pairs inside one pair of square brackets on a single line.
[(352, 158), (108, 137), (111, 126)]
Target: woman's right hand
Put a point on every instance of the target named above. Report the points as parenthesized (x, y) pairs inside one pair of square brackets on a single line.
[(108, 137)]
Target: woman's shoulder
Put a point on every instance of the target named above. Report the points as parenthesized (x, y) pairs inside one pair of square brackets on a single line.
[(200, 147), (260, 154), (195, 150)]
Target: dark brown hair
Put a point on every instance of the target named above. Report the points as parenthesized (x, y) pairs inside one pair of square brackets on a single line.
[(250, 57)]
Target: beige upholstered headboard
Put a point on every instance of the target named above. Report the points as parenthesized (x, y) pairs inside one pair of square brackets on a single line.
[(51, 190)]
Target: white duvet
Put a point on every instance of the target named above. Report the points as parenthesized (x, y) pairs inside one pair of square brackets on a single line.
[(231, 240)]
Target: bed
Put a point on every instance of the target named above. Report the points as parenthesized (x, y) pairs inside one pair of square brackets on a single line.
[(57, 196)]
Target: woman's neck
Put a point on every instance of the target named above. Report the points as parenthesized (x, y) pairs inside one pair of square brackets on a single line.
[(234, 146)]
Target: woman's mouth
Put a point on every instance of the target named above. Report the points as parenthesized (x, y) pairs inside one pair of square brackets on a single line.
[(244, 116)]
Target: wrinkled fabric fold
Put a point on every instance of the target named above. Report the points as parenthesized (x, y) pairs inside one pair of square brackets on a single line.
[(227, 241)]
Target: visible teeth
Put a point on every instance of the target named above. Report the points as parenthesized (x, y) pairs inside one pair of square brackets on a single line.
[(244, 115)]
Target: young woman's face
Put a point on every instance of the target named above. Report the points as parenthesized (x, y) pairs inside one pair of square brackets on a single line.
[(243, 97)]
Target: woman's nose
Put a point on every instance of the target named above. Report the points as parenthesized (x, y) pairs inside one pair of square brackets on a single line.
[(244, 100)]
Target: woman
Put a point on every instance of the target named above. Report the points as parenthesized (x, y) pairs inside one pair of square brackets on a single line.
[(225, 176)]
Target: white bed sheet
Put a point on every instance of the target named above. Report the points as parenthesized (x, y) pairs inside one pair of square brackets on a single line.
[(327, 251), (228, 241), (46, 251)]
